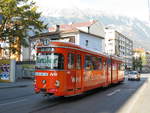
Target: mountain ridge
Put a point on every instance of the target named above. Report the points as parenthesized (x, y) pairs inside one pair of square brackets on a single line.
[(133, 28)]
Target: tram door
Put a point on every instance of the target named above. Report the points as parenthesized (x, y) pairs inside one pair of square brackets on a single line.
[(105, 71), (78, 73), (71, 73), (109, 74), (74, 73)]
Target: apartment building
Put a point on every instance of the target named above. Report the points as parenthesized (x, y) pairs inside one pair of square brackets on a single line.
[(148, 58), (89, 35), (118, 44), (6, 53), (145, 57)]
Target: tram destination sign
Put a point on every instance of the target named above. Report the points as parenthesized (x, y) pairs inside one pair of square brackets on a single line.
[(43, 49)]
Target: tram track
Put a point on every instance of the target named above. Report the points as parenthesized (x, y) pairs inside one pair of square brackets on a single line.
[(55, 101), (45, 107)]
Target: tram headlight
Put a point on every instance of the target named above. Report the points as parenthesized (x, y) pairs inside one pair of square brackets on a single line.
[(44, 81), (57, 83), (34, 81)]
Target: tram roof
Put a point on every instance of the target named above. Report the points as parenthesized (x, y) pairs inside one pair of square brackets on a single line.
[(116, 58), (72, 46), (77, 47)]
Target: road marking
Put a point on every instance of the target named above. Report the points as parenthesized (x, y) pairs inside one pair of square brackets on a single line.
[(112, 93), (13, 102)]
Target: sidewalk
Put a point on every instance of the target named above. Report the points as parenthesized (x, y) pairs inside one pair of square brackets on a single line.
[(143, 103), (20, 83), (139, 102)]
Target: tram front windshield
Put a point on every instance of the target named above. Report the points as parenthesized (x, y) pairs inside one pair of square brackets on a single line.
[(50, 61)]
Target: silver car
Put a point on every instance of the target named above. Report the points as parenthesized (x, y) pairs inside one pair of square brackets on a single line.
[(133, 75)]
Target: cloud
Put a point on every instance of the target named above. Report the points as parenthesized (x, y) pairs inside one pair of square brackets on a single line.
[(131, 8)]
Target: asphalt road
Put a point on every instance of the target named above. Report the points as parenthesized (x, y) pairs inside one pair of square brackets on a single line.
[(102, 100)]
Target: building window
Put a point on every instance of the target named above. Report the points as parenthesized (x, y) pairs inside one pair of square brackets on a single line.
[(86, 43), (72, 39)]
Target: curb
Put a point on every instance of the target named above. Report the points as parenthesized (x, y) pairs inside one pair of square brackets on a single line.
[(131, 102)]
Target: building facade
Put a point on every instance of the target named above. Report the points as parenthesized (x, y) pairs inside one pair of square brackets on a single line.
[(148, 59), (92, 26), (145, 58), (81, 34), (88, 35), (6, 51), (78, 37), (119, 45)]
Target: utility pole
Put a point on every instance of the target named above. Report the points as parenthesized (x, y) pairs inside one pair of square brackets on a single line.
[(149, 9), (1, 17)]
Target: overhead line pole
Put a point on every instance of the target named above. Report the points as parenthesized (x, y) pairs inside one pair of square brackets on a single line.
[(149, 9)]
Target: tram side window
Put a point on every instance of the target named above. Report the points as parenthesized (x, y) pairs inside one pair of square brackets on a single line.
[(93, 63), (60, 62), (104, 65), (114, 66), (97, 63), (78, 64), (71, 61), (88, 63), (121, 67)]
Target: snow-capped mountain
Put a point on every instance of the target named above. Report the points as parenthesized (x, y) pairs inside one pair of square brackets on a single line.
[(137, 30)]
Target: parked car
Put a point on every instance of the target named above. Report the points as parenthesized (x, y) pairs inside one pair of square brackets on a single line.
[(133, 75), (125, 72)]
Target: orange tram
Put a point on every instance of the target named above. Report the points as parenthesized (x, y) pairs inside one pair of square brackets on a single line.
[(65, 69)]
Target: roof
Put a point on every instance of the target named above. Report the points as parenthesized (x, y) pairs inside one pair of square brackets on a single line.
[(58, 33), (45, 34), (73, 25), (138, 50)]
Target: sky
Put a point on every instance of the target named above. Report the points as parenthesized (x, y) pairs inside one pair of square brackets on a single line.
[(130, 8)]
